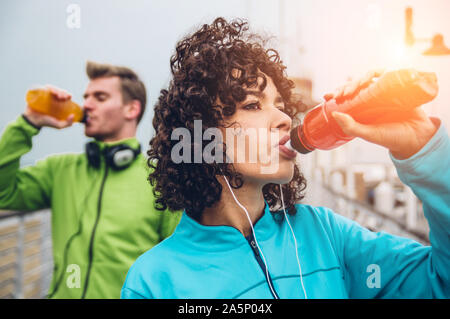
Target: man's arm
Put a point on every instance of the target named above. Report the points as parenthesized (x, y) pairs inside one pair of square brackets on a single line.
[(22, 189), (28, 188)]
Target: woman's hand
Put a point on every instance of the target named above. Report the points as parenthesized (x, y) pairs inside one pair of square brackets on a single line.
[(403, 138)]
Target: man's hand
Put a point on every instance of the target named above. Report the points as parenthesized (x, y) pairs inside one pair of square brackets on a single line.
[(40, 120), (403, 138)]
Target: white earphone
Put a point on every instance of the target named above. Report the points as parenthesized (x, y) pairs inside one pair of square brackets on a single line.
[(256, 241)]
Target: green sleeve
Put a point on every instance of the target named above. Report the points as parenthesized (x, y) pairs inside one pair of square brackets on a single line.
[(169, 222), (27, 188)]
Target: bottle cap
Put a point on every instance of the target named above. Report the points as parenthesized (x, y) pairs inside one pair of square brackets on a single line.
[(296, 143)]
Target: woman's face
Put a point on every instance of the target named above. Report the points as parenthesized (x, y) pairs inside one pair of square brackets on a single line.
[(255, 140)]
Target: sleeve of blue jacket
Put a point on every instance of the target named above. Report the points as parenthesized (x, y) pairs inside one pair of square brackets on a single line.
[(380, 265)]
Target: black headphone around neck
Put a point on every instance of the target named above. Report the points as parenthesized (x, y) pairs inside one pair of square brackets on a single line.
[(118, 156)]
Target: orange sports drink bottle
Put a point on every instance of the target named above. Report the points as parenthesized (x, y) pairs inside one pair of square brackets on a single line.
[(385, 99), (41, 100)]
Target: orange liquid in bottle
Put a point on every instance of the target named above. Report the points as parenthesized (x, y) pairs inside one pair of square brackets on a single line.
[(42, 101), (386, 100)]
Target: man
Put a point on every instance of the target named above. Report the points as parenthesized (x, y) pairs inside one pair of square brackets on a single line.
[(103, 214)]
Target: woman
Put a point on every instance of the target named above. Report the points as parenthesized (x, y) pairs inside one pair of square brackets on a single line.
[(243, 233)]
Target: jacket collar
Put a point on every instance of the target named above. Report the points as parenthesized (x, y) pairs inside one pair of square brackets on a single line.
[(219, 238), (131, 142)]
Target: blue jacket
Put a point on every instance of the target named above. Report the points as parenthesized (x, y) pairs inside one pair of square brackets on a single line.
[(339, 258)]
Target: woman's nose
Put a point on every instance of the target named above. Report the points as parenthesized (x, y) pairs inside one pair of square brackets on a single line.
[(281, 121)]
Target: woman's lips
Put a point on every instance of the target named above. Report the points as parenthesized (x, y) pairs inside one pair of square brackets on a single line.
[(287, 152), (284, 139)]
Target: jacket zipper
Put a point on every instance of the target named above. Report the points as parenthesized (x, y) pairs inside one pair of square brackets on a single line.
[(91, 243), (252, 242)]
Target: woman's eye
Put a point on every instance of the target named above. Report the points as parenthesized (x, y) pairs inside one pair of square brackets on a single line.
[(252, 106)]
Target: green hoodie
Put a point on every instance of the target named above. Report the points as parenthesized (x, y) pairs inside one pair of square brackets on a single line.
[(102, 219)]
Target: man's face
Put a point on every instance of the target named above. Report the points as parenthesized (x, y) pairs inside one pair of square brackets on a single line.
[(105, 110)]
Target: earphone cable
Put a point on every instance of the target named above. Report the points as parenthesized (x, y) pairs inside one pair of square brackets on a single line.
[(295, 243)]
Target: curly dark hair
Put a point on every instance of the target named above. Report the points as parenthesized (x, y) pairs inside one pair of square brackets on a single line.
[(204, 70)]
